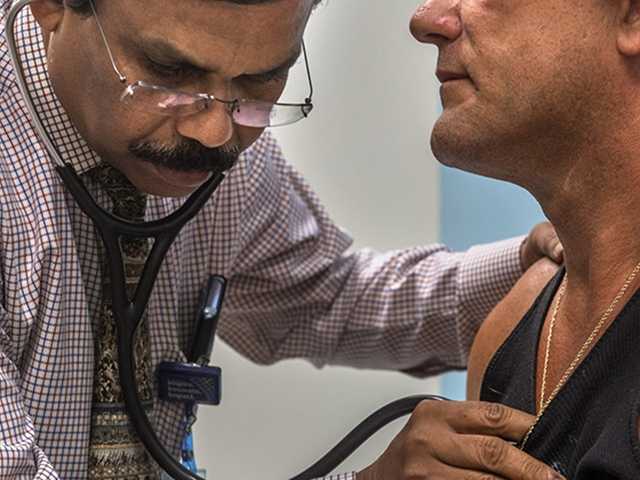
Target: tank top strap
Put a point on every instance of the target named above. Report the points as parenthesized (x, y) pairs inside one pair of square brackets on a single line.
[(505, 380)]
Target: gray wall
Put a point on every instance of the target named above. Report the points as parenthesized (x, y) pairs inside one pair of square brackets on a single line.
[(365, 151)]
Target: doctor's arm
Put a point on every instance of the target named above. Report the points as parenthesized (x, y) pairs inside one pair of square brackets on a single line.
[(297, 291), (20, 457)]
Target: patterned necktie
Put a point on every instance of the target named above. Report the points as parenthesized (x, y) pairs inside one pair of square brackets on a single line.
[(115, 451)]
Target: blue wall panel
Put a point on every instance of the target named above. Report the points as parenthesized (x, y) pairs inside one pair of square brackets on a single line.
[(479, 210)]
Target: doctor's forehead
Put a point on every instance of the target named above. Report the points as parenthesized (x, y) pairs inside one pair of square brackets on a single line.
[(80, 4), (214, 32), (85, 6), (222, 15)]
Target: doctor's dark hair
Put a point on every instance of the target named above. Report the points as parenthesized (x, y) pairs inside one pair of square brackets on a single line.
[(83, 7)]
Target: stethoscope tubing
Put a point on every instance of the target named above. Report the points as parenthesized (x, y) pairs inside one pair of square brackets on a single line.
[(22, 83), (128, 313), (361, 433), (112, 228)]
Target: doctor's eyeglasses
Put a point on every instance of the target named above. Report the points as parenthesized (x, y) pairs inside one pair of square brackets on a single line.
[(245, 112)]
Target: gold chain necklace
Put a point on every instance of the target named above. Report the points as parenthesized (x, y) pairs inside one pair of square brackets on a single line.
[(583, 349)]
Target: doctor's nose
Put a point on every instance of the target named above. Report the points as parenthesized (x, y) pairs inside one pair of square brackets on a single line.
[(211, 127), (437, 22)]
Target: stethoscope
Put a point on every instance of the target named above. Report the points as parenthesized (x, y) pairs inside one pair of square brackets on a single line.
[(128, 313)]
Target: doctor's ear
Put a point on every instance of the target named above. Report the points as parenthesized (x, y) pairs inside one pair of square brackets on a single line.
[(48, 14), (628, 39)]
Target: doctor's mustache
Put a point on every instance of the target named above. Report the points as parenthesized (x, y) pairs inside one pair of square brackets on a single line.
[(188, 156)]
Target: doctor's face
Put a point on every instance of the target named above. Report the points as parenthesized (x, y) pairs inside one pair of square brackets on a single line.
[(520, 78), (227, 49)]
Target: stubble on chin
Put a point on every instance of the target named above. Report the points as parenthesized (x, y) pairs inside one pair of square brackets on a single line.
[(469, 147), (450, 144)]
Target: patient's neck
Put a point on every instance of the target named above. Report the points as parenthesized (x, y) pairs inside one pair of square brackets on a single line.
[(595, 207)]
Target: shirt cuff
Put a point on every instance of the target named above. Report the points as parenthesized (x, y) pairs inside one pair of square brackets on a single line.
[(487, 273)]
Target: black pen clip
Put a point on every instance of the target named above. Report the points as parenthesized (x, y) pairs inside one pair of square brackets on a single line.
[(207, 321)]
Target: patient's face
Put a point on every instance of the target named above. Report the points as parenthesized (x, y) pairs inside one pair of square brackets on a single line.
[(518, 76)]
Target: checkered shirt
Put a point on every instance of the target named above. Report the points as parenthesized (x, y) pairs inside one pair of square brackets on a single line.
[(294, 290)]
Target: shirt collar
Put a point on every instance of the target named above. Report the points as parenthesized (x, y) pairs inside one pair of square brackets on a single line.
[(72, 147)]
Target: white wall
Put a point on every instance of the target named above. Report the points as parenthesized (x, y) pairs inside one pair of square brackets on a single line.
[(365, 151)]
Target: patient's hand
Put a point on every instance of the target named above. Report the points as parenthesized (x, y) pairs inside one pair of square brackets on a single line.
[(541, 242), (460, 440)]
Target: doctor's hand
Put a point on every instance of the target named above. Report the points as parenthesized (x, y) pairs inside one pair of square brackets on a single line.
[(541, 242), (460, 440)]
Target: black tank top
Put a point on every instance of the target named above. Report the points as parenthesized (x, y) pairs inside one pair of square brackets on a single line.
[(589, 431)]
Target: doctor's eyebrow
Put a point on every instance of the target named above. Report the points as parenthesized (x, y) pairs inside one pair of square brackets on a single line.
[(248, 2), (280, 69), (163, 51), (256, 2)]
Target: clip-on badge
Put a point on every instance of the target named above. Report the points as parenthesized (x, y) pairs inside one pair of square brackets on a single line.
[(195, 382)]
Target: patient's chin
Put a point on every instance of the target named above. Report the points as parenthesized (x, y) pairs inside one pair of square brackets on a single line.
[(467, 148), (454, 149)]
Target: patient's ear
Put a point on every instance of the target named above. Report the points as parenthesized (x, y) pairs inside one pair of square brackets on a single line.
[(628, 39), (48, 14)]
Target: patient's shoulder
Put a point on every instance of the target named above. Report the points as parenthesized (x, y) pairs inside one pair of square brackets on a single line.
[(503, 319)]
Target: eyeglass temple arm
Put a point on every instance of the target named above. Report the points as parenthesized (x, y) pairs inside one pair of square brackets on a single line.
[(306, 63), (121, 77)]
